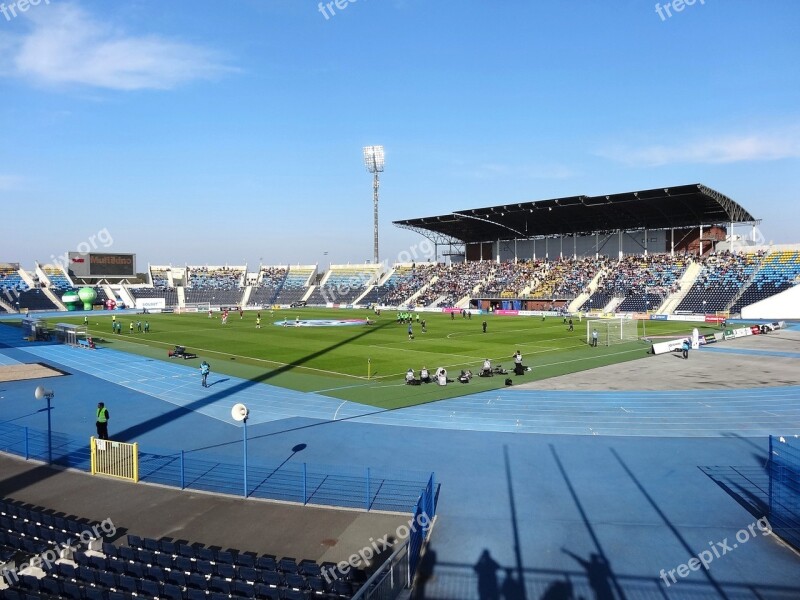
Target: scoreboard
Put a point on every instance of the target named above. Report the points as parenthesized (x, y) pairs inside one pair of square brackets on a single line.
[(97, 264)]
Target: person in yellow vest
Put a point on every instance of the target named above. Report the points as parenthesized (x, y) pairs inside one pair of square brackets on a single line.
[(102, 421)]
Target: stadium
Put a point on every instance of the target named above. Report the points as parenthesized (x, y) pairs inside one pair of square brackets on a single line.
[(308, 467)]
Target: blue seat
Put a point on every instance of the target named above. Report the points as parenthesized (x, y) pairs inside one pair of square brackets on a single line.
[(195, 594), (196, 581), (243, 589), (310, 567), (98, 562), (150, 544), (219, 585), (145, 556), (109, 549), (163, 560), (272, 578), (266, 562), (203, 553), (247, 574), (134, 541), (50, 587), (66, 571), (107, 579), (204, 567), (264, 592), (127, 584), (288, 565), (87, 575), (154, 573), (71, 591), (291, 594), (126, 553), (171, 592), (225, 556), (176, 577), (135, 570), (149, 588), (168, 546), (226, 570), (245, 559), (296, 581), (186, 550), (93, 593), (183, 564), (116, 565)]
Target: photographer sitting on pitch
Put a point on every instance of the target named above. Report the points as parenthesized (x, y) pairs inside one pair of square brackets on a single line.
[(424, 376), (486, 370)]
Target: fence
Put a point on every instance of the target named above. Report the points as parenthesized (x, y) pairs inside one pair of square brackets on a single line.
[(329, 485), (784, 488), (115, 459), (397, 573)]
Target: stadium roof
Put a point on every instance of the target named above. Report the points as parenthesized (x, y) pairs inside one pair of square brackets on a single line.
[(663, 208)]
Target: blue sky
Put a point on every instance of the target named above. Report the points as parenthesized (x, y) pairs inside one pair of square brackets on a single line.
[(215, 132)]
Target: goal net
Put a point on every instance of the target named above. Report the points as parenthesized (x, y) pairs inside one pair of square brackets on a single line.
[(612, 331)]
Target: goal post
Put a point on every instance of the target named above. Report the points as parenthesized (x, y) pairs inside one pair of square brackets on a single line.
[(612, 331)]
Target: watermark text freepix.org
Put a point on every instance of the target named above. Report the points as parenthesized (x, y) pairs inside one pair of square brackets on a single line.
[(363, 557), (718, 550), (9, 11), (102, 237), (47, 559), (666, 11), (326, 7)]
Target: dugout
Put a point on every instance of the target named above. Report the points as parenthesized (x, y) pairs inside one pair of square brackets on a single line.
[(66, 333), (36, 330)]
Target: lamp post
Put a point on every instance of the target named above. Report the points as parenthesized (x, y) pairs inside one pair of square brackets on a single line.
[(40, 393), (374, 161), (239, 413)]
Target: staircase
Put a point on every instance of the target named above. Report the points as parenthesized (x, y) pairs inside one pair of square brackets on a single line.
[(613, 304), (578, 302), (685, 283), (246, 296), (54, 299), (7, 307), (411, 301), (746, 284), (181, 297)]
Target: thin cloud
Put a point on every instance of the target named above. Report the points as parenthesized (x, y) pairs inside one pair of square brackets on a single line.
[(66, 45), (9, 183), (714, 150)]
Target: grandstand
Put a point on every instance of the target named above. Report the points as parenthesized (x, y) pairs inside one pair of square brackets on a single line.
[(296, 284), (778, 272), (268, 285), (344, 284)]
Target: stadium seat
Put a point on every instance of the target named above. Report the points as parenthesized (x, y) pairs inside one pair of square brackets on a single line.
[(219, 585), (265, 592), (71, 591), (183, 564), (135, 570), (93, 593), (171, 592), (245, 559), (196, 594), (168, 546), (247, 574), (267, 562), (176, 577), (196, 581), (127, 584), (150, 589), (226, 571)]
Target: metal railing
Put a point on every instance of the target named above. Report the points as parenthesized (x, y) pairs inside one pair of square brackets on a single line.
[(115, 459)]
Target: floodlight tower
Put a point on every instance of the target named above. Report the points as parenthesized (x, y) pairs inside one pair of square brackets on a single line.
[(374, 161)]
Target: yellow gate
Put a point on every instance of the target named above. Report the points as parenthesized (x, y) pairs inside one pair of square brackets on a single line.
[(116, 459)]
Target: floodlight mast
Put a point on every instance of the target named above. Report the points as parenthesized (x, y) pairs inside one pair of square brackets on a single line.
[(374, 161)]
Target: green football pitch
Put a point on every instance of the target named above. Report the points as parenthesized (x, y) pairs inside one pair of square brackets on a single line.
[(367, 363)]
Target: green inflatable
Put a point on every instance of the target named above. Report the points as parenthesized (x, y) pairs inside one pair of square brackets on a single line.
[(87, 295), (70, 300)]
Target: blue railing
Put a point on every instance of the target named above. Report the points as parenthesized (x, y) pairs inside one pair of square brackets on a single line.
[(305, 483), (784, 488)]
